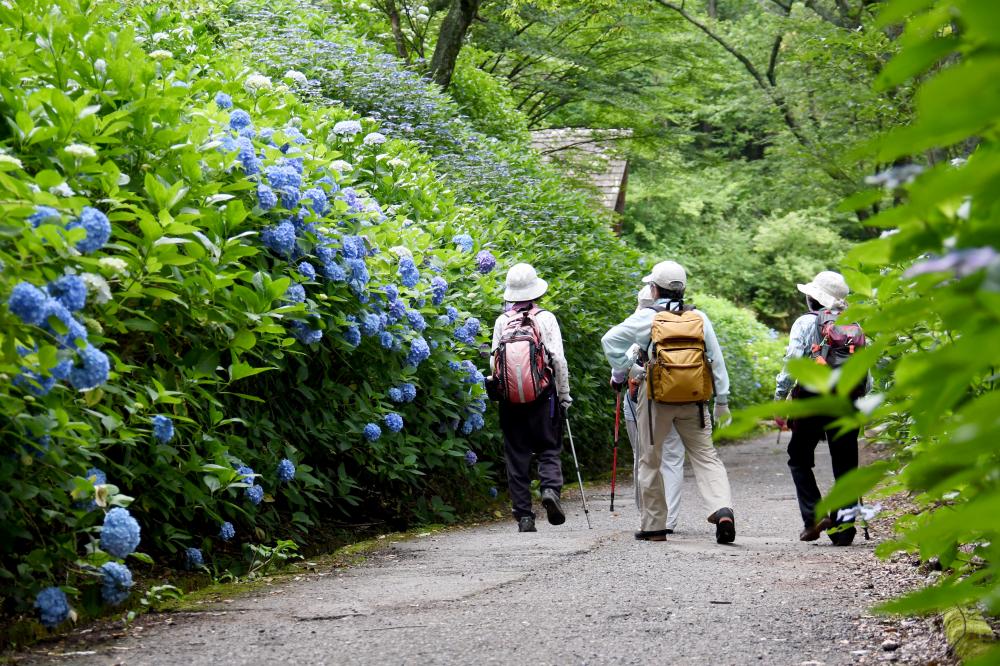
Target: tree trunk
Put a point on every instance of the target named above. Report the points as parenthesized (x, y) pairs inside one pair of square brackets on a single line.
[(397, 30), (450, 37), (712, 9)]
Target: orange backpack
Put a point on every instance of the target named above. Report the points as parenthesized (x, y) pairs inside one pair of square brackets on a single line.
[(678, 371)]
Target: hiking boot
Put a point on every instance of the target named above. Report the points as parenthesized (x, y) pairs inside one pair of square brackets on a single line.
[(526, 524), (654, 535), (550, 500), (725, 525), (843, 537), (812, 533)]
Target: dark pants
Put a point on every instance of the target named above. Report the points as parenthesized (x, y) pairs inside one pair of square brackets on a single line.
[(806, 434), (532, 429)]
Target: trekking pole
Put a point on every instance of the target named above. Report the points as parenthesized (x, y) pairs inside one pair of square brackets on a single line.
[(586, 512), (614, 455)]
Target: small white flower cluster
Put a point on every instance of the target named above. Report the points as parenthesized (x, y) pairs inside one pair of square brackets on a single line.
[(374, 139), (114, 264), (98, 285), (256, 83), (80, 151), (10, 160), (161, 54), (296, 77)]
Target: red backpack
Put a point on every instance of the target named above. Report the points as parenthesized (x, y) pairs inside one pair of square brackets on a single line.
[(522, 370), (837, 343)]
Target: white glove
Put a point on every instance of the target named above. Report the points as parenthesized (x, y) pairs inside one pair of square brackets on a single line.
[(722, 416)]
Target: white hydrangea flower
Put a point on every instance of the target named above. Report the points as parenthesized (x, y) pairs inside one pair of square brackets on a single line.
[(396, 162), (101, 66), (98, 285), (347, 127), (340, 166), (114, 264), (401, 251), (297, 77), (374, 139), (161, 54), (11, 160), (80, 150), (62, 190), (255, 83), (160, 36)]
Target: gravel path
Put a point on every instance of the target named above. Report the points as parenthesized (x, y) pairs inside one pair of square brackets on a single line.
[(568, 595)]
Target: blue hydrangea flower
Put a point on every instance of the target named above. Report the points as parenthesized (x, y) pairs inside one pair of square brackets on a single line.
[(295, 135), (223, 101), (473, 423), (97, 226), (193, 558), (473, 325), (354, 247), (409, 391), (239, 119), (464, 242), (28, 302), (43, 213), (255, 494), (397, 310), (247, 156), (372, 432), (359, 273), (408, 273), (485, 262), (419, 352), (320, 204), (96, 476), (307, 270), (370, 324), (471, 458), (92, 371), (296, 163), (442, 321), (227, 531), (286, 470), (116, 583), (280, 238), (334, 271), (452, 314), (351, 197), (306, 335), (493, 492), (347, 127), (74, 329), (439, 287), (386, 340), (53, 607), (283, 177), (462, 334), (391, 292), (163, 428), (266, 198), (352, 336), (393, 421), (120, 533), (395, 394), (247, 473), (295, 293), (36, 383), (70, 290), (416, 320)]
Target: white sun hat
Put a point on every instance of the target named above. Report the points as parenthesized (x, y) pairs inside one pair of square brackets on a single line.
[(667, 274), (645, 298), (523, 284), (828, 288)]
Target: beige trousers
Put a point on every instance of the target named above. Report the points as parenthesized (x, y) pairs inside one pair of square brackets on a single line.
[(709, 472)]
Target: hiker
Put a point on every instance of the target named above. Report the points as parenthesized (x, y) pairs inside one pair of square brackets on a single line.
[(815, 334), (672, 465), (684, 359), (531, 381)]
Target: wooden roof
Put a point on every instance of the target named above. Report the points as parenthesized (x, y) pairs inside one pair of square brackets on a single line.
[(591, 156)]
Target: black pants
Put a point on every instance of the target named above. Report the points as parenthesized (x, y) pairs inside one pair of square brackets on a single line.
[(806, 434), (532, 429)]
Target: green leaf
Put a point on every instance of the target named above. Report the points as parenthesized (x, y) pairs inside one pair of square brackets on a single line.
[(242, 370)]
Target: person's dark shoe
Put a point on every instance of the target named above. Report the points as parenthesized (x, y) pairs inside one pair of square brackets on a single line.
[(526, 524), (550, 500), (725, 525), (653, 535), (668, 531), (843, 537), (812, 533)]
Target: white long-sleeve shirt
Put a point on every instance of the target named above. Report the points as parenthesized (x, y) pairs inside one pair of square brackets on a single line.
[(636, 330), (551, 338)]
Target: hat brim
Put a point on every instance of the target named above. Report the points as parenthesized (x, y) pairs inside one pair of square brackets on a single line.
[(529, 293), (812, 290)]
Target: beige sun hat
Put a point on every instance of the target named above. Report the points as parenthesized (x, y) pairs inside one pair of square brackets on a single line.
[(523, 284), (667, 274), (828, 288)]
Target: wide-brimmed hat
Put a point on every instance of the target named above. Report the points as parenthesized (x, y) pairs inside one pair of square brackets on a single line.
[(523, 284), (827, 288), (667, 274)]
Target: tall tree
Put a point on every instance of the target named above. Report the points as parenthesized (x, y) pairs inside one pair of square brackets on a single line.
[(450, 38)]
